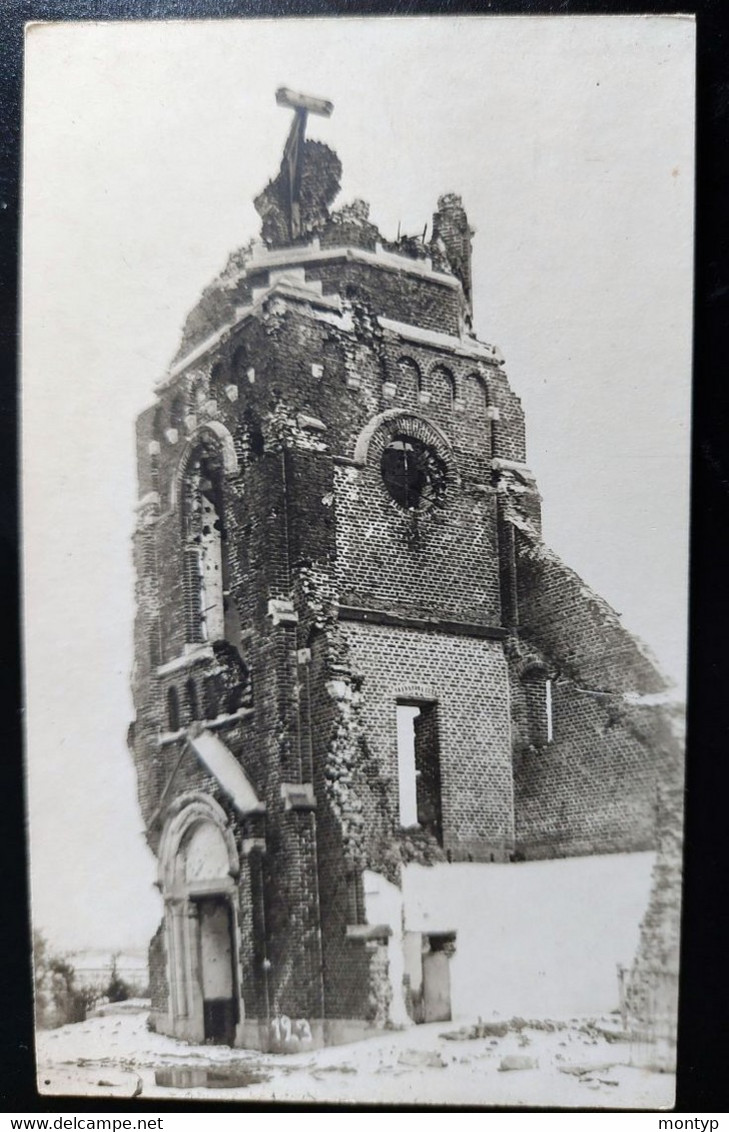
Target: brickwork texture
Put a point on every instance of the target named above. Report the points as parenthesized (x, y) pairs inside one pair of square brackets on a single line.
[(288, 601)]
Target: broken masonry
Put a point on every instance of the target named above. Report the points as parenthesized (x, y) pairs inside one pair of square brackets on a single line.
[(355, 658)]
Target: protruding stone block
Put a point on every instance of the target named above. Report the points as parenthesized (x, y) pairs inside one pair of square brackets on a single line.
[(298, 796), (282, 612)]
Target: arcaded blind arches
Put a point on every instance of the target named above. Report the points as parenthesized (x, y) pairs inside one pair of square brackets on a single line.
[(475, 394), (408, 378), (442, 388)]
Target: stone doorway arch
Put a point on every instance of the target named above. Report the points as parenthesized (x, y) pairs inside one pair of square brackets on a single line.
[(198, 874)]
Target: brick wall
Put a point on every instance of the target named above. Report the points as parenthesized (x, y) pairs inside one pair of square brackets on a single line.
[(439, 564), (393, 294), (297, 403), (574, 627), (592, 789), (158, 989), (278, 913), (469, 681), (351, 811), (650, 985)]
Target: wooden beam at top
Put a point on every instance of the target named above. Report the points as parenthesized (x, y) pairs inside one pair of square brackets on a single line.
[(294, 101)]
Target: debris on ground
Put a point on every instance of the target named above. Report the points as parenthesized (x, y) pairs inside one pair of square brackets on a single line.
[(546, 1025), (581, 1070), (391, 1068), (478, 1030), (518, 1061), (483, 1029), (430, 1059)]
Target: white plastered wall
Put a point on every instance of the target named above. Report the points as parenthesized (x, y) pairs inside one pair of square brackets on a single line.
[(538, 939)]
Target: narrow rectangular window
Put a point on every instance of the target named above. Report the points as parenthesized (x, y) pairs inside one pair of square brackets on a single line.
[(538, 703), (406, 764), (418, 758)]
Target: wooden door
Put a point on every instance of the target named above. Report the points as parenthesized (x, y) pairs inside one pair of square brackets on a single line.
[(436, 987)]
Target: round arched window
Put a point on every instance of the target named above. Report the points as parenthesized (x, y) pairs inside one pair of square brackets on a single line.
[(413, 473)]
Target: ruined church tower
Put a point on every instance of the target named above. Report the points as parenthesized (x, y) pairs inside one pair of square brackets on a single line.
[(358, 667)]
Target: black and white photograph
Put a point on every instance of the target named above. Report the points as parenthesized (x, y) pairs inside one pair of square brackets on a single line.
[(356, 410)]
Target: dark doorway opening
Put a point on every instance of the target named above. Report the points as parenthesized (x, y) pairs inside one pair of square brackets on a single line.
[(217, 970), (427, 975), (437, 977)]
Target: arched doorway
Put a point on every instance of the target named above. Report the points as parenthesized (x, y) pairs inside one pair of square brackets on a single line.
[(198, 873)]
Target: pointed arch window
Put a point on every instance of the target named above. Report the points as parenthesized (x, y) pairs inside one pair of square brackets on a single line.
[(204, 535)]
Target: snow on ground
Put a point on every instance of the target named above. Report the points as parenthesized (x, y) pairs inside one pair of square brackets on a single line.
[(577, 1067)]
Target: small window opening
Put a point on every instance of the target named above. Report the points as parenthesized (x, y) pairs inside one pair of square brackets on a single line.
[(538, 693), (419, 779), (177, 412), (213, 696), (256, 442), (240, 368), (173, 709), (239, 691), (193, 707), (442, 941)]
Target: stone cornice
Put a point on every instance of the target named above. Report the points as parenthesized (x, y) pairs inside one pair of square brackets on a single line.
[(427, 624)]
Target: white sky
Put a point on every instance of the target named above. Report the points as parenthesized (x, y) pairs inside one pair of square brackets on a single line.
[(571, 142)]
